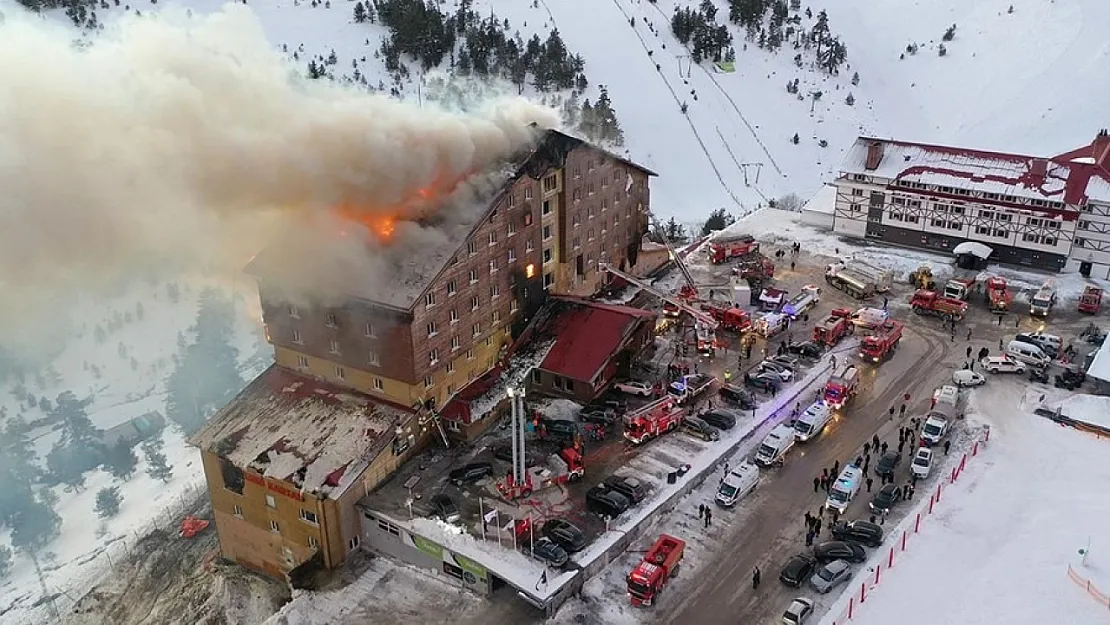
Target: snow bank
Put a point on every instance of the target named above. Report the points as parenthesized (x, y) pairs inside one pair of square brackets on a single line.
[(1093, 409), (559, 409)]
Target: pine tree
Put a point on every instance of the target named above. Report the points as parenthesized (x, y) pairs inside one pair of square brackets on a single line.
[(157, 466), (107, 502), (850, 100), (121, 461), (795, 139), (609, 129), (719, 219), (941, 51), (949, 34), (35, 525), (855, 79), (5, 561), (360, 13)]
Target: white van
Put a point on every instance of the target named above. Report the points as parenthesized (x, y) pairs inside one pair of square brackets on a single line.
[(844, 489), (870, 317), (774, 447), (948, 395), (812, 422), (739, 482), (1028, 353), (934, 429), (1050, 344)]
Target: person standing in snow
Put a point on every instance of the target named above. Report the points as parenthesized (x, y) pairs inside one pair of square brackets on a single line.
[(947, 445), (816, 484), (869, 482), (755, 578)]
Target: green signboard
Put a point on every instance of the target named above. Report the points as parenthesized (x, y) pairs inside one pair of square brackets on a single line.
[(467, 564), (427, 546)]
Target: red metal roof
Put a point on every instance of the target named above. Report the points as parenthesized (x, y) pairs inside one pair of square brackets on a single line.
[(587, 335)]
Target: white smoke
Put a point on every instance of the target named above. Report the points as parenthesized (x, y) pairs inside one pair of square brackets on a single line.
[(178, 141)]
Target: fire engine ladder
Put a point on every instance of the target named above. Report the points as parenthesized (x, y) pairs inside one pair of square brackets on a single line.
[(649, 408), (699, 316), (661, 233)]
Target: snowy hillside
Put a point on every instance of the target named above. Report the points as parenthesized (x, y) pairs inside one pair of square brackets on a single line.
[(1013, 81)]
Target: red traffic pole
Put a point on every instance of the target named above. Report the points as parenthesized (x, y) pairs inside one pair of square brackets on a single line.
[(890, 560), (917, 522), (975, 449), (932, 500), (963, 462), (851, 606), (863, 592), (952, 476), (878, 567), (904, 541)]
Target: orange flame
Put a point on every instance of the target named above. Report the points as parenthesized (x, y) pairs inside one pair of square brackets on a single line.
[(382, 221)]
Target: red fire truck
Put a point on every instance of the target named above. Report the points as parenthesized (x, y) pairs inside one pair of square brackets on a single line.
[(932, 303), (881, 343), (734, 319), (757, 267), (998, 295), (659, 565), (566, 466), (654, 419), (1091, 300), (834, 327), (725, 248), (841, 387)]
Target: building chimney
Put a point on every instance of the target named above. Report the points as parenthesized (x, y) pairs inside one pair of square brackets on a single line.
[(1037, 171), (874, 155), (1100, 149)]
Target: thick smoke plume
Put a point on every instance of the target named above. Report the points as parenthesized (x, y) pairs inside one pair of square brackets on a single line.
[(182, 142)]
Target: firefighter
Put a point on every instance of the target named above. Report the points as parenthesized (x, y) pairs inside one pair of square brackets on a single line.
[(728, 376)]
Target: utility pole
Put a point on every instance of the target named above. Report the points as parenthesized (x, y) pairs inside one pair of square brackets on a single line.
[(689, 65), (744, 168)]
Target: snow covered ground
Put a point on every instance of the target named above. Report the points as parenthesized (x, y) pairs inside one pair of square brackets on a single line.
[(998, 547), (123, 387), (1008, 81)]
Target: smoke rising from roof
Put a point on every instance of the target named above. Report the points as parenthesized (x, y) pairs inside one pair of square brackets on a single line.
[(183, 141)]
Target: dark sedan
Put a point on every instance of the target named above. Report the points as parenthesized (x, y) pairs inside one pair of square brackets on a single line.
[(566, 534), (839, 550), (888, 462), (549, 551), (798, 569), (884, 500), (600, 416), (808, 349), (444, 507), (470, 473), (766, 382), (739, 395), (859, 531), (720, 419)]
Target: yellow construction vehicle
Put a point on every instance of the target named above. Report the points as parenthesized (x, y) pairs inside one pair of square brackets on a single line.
[(922, 278)]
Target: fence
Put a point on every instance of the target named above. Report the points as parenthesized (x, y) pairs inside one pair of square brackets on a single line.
[(866, 587), (1088, 586)]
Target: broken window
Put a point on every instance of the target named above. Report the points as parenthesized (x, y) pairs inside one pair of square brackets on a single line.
[(233, 477)]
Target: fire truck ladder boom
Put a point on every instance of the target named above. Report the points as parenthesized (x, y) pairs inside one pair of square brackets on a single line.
[(701, 317), (662, 234)]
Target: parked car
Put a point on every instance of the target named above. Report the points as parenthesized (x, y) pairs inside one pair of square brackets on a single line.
[(830, 576), (769, 367), (700, 429), (503, 453), (798, 612), (445, 509), (884, 500), (470, 473), (635, 387), (550, 552), (798, 568), (790, 362), (559, 429), (922, 463), (807, 349), (566, 534), (720, 418), (606, 502), (863, 532), (887, 463), (739, 395), (766, 382), (600, 416), (1002, 364), (964, 378), (839, 550), (632, 488)]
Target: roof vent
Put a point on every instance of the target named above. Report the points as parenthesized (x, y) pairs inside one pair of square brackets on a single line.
[(874, 155)]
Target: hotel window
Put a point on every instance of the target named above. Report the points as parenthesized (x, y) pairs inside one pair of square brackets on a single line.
[(589, 212), (513, 306), (528, 193), (270, 502), (550, 183), (238, 511), (529, 245), (547, 233), (475, 303), (476, 330), (452, 287), (493, 265), (309, 517), (577, 242), (450, 369), (429, 381), (472, 247), (548, 280), (274, 527), (369, 331), (496, 317), (373, 359), (330, 320), (983, 230), (546, 210), (577, 171), (472, 275), (312, 542), (455, 343), (433, 357), (576, 195), (590, 234), (430, 300), (433, 329), (334, 347), (511, 228), (340, 372), (489, 342), (512, 255), (302, 362), (297, 337), (453, 315), (293, 312), (493, 238), (547, 256), (353, 543), (470, 354), (494, 291), (859, 193), (590, 189), (590, 165), (378, 384)]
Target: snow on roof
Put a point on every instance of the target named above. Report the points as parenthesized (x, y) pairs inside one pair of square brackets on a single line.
[(587, 335), (824, 201), (1100, 365), (1093, 409), (1015, 175), (973, 248), (559, 409), (293, 428)]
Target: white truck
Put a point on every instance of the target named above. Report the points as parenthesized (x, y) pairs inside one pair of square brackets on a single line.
[(772, 451), (946, 394), (881, 278), (739, 482), (812, 422), (937, 423), (844, 489), (1043, 301)]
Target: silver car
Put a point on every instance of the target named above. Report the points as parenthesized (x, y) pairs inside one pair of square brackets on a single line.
[(829, 576), (799, 611)]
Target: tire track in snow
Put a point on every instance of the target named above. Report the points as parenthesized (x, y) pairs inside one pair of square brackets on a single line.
[(728, 97)]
